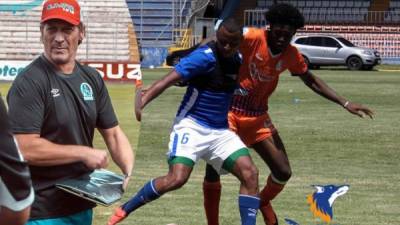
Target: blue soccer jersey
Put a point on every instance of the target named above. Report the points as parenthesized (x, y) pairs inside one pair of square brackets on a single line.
[(207, 106)]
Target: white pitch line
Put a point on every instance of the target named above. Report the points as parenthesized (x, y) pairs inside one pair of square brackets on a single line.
[(389, 70)]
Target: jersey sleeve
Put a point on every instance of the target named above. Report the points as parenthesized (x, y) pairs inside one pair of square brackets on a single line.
[(106, 117), (297, 64), (15, 184), (201, 61), (251, 36), (26, 105)]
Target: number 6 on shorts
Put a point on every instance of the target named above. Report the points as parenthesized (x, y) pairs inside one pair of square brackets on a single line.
[(185, 138)]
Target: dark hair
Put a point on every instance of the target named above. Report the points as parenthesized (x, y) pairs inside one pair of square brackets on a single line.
[(285, 14), (231, 25)]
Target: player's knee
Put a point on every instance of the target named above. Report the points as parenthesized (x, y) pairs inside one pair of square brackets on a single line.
[(250, 175), (177, 181), (283, 174)]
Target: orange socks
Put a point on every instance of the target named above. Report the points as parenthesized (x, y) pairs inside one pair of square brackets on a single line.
[(212, 195), (270, 191)]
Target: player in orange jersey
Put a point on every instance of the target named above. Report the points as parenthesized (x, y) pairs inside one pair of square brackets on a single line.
[(266, 54)]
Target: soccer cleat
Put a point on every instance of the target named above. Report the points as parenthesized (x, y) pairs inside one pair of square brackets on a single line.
[(269, 215), (117, 217)]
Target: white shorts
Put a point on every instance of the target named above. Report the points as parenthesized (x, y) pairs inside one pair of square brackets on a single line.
[(8, 201), (193, 141)]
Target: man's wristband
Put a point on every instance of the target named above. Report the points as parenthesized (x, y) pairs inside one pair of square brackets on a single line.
[(346, 104), (127, 175)]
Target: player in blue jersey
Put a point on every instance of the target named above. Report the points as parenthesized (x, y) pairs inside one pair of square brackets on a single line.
[(200, 129)]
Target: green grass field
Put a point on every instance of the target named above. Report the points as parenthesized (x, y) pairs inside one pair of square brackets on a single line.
[(325, 144)]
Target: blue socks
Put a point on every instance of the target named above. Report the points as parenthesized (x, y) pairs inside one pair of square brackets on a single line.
[(147, 194), (248, 207)]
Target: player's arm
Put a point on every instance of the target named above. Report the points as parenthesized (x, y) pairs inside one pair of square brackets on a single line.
[(299, 68), (120, 150), (199, 62), (320, 87), (159, 87)]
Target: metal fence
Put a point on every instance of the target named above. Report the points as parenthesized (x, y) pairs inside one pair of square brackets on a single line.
[(198, 26), (178, 19), (201, 28)]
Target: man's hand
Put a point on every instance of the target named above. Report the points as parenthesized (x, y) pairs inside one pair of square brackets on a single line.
[(95, 159), (358, 109)]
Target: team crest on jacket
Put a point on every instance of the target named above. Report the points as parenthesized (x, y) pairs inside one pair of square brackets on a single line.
[(87, 92)]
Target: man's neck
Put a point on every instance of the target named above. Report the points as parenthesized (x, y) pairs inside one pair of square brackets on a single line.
[(271, 46), (274, 51), (65, 68)]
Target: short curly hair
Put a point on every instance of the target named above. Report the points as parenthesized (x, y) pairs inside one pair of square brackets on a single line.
[(285, 14)]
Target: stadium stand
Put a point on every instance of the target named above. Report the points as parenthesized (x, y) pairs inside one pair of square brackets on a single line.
[(345, 12), (373, 24), (110, 34), (391, 14), (328, 11), (163, 23), (157, 23), (156, 20)]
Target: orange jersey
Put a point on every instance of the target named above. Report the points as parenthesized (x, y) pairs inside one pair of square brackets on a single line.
[(259, 73)]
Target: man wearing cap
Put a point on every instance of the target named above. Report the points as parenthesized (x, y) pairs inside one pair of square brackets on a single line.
[(55, 106)]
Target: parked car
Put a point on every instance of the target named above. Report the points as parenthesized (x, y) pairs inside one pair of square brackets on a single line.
[(329, 50)]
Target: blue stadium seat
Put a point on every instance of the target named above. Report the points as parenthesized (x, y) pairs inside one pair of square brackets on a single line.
[(155, 20), (309, 4), (325, 4), (301, 4), (357, 4), (349, 4), (333, 4)]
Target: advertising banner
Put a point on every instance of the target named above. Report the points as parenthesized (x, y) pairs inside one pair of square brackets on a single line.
[(117, 71), (110, 71), (10, 69)]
